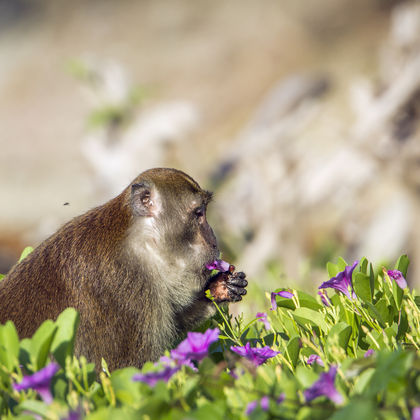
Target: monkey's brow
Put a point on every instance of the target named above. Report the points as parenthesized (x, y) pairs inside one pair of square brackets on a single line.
[(208, 196)]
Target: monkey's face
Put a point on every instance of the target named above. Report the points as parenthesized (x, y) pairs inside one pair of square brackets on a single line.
[(170, 209)]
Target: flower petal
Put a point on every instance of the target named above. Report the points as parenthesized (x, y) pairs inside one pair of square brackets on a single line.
[(262, 316), (219, 265), (195, 346), (40, 381), (324, 386), (251, 407), (283, 293), (398, 277), (342, 281), (152, 378), (314, 358), (255, 354)]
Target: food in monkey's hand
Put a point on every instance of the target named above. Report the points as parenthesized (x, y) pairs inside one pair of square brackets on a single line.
[(227, 285)]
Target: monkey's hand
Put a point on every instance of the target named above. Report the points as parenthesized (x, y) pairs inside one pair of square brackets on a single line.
[(228, 286)]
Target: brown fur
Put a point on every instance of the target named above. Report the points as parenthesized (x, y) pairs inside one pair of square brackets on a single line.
[(134, 268)]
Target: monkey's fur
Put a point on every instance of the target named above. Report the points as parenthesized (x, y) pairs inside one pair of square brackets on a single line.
[(134, 268)]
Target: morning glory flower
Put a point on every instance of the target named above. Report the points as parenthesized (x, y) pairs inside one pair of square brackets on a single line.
[(151, 378), (398, 277), (324, 386), (195, 346), (283, 293), (314, 358), (262, 316), (415, 414), (264, 404), (251, 407), (281, 398), (369, 353), (168, 362), (342, 281), (219, 265), (256, 355), (40, 381)]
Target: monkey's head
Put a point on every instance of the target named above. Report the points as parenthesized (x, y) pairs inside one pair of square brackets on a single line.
[(169, 224)]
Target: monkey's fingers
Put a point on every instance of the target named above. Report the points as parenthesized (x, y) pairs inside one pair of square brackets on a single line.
[(237, 281), (236, 293)]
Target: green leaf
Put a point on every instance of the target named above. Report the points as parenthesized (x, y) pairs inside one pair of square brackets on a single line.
[(305, 376), (398, 294), (382, 307), (332, 269), (41, 343), (361, 285), (339, 334), (371, 280), (363, 265), (63, 343), (308, 301), (36, 407), (2, 276), (362, 380), (375, 314), (305, 316), (293, 349), (391, 368), (9, 346), (356, 409), (341, 264), (402, 264), (25, 253), (126, 390)]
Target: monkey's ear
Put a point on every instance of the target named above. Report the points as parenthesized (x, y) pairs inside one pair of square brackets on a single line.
[(144, 200)]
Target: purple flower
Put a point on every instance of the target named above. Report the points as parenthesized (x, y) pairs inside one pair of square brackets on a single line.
[(342, 281), (40, 381), (324, 298), (264, 403), (281, 398), (314, 358), (167, 362), (284, 294), (73, 415), (195, 346), (369, 353), (415, 415), (256, 355), (398, 277), (324, 386), (262, 316), (151, 378), (219, 265), (251, 407)]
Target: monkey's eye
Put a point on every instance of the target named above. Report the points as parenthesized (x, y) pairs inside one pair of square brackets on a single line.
[(145, 199), (199, 212)]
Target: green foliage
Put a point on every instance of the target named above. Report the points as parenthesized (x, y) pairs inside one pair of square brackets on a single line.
[(381, 318)]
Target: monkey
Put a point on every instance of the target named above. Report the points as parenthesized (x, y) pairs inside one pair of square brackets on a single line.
[(134, 268)]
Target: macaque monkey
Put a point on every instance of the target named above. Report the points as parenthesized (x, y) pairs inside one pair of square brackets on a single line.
[(134, 268)]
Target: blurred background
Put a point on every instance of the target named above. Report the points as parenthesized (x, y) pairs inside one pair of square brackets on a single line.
[(302, 117)]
